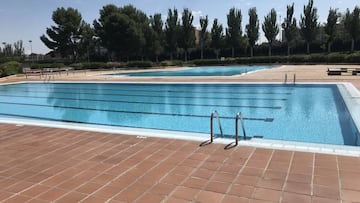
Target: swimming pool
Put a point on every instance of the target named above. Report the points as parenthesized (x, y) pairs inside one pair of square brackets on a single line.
[(200, 71), (302, 112)]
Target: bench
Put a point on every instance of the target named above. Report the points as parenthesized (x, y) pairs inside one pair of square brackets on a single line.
[(46, 71), (32, 72), (355, 71), (343, 71), (336, 71)]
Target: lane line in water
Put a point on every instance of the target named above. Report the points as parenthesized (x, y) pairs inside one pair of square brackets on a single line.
[(132, 112), (161, 91), (137, 102), (158, 96)]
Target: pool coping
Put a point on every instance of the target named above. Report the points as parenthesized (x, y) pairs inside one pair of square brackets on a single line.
[(352, 95)]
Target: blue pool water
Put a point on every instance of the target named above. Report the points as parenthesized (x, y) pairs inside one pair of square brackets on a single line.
[(203, 71), (306, 113)]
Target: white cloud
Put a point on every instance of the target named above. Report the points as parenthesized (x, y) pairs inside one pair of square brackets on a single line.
[(197, 14)]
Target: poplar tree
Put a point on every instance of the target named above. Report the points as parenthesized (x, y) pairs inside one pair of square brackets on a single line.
[(171, 32), (308, 24), (352, 25), (252, 29), (156, 24), (270, 28), (203, 34), (289, 26), (217, 37), (187, 37), (330, 26), (233, 31)]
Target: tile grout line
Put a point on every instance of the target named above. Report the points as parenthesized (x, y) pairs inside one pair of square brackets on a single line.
[(215, 172), (195, 169), (240, 171), (15, 194), (109, 182), (262, 175), (312, 176), (56, 186), (339, 178), (164, 174), (123, 189), (287, 176)]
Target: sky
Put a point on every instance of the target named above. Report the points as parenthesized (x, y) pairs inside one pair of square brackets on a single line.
[(28, 19)]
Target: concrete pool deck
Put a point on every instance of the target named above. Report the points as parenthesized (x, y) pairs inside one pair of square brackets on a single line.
[(40, 164)]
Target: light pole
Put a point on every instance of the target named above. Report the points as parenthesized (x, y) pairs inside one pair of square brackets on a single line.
[(30, 41), (4, 43), (280, 37)]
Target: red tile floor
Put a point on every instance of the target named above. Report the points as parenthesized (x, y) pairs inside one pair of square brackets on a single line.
[(40, 164)]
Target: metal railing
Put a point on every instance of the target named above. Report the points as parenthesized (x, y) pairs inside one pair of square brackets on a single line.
[(239, 116), (213, 114)]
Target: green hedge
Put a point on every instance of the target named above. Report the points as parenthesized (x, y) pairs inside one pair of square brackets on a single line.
[(46, 65), (96, 65), (115, 65), (89, 65), (139, 64), (353, 58), (172, 63), (293, 59), (10, 68), (4, 59)]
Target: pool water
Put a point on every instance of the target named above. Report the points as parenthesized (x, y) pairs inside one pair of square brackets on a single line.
[(203, 71), (306, 113)]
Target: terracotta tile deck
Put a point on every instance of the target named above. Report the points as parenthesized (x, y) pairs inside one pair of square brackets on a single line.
[(40, 164)]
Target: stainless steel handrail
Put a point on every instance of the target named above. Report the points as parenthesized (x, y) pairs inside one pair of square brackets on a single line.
[(214, 113), (239, 116), (285, 78), (294, 78)]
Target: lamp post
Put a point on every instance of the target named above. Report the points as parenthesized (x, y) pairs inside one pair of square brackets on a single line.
[(30, 41), (280, 37), (4, 43)]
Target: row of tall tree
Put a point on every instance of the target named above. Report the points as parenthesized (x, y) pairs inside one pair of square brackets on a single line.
[(10, 50), (127, 32)]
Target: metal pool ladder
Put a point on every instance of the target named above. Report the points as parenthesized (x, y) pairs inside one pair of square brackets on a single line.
[(239, 116), (286, 78), (214, 114)]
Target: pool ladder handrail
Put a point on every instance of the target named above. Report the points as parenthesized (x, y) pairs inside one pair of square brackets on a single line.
[(286, 78), (239, 116), (214, 113)]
